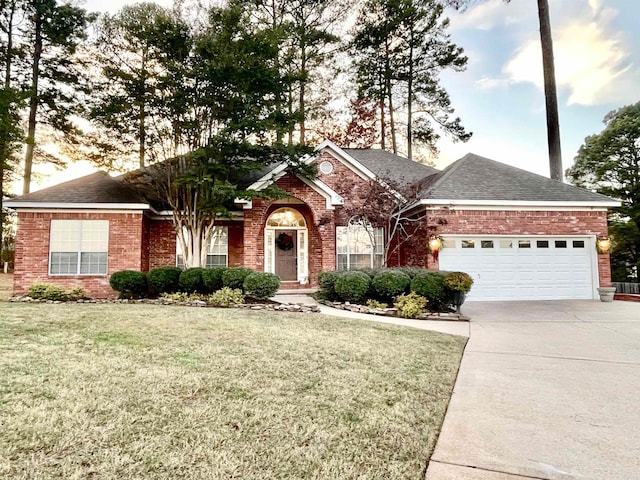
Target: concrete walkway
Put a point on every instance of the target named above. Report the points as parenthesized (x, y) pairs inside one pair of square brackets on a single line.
[(546, 390), (451, 327)]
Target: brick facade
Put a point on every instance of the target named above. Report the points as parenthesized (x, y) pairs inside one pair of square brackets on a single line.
[(126, 233), (140, 242)]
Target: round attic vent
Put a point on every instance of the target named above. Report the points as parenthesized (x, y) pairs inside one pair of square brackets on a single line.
[(326, 167)]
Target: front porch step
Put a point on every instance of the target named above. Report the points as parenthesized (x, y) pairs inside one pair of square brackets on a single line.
[(296, 291)]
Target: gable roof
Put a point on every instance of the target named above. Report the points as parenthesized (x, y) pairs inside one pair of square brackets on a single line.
[(387, 165), (479, 180), (96, 188)]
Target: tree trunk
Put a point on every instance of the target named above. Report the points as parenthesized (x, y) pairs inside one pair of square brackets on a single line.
[(387, 79), (410, 98), (383, 120), (551, 96), (142, 132), (33, 103), (4, 149), (301, 100)]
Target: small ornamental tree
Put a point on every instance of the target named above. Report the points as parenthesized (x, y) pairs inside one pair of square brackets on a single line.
[(380, 204)]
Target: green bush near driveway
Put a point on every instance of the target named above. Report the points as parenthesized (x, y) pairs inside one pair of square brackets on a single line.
[(352, 286), (388, 284)]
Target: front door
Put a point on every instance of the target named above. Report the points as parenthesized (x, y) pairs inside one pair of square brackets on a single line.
[(286, 255)]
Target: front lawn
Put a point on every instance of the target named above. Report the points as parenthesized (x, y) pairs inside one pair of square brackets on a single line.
[(153, 392)]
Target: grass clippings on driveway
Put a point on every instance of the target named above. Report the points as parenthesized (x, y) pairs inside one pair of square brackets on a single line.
[(152, 392)]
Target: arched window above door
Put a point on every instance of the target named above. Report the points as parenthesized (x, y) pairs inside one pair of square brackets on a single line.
[(286, 217)]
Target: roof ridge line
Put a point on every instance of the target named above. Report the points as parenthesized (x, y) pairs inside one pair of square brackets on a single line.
[(444, 174)]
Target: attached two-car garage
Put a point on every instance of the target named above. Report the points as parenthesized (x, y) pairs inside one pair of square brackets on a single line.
[(524, 267)]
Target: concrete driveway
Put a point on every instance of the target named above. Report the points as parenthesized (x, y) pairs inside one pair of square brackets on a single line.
[(546, 390)]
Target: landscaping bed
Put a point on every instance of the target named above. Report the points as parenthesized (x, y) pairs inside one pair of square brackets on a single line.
[(393, 312)]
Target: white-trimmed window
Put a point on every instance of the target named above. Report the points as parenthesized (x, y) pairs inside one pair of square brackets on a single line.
[(218, 255), (359, 246), (79, 247)]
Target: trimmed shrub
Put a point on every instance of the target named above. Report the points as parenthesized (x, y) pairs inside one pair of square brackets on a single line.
[(164, 280), (226, 296), (413, 271), (327, 282), (261, 285), (372, 272), (352, 286), (388, 284), (458, 281), (411, 305), (129, 284), (431, 286), (376, 304), (50, 291), (212, 278), (234, 277), (191, 280)]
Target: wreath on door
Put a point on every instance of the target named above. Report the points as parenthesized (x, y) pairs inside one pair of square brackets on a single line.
[(284, 241)]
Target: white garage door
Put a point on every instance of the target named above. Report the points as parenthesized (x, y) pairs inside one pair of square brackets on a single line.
[(523, 268)]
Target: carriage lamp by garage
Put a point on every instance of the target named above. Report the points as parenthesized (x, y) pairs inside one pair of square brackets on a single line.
[(603, 244), (435, 244)]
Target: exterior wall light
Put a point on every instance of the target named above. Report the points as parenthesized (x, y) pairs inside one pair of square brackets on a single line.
[(603, 244), (435, 244)]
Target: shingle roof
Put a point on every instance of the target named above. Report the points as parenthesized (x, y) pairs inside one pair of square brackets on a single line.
[(387, 165), (478, 178), (97, 187)]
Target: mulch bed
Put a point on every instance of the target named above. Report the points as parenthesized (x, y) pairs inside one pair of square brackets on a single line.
[(393, 312)]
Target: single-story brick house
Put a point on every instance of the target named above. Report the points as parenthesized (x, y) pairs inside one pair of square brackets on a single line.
[(520, 235)]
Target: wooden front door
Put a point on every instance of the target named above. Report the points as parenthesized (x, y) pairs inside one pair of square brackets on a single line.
[(287, 258)]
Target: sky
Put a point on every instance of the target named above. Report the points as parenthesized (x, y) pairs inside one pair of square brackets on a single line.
[(500, 96)]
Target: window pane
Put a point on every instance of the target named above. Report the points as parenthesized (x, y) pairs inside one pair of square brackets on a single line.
[(342, 247), (214, 261), (64, 263), (578, 244), (506, 244), (486, 244), (542, 243), (468, 244), (65, 235), (95, 236), (524, 244), (93, 263), (219, 241), (379, 239), (360, 261), (561, 244), (359, 240), (79, 247), (359, 247)]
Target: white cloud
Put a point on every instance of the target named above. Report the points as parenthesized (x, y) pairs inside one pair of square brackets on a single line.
[(589, 61), (592, 60), (489, 14), (487, 83)]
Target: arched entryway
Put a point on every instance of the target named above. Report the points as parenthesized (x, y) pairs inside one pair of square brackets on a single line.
[(286, 245)]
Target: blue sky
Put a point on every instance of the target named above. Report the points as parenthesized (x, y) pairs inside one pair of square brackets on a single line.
[(500, 98)]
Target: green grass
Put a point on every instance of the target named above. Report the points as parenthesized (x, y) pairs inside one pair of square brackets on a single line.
[(152, 392)]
